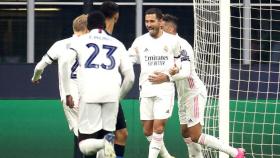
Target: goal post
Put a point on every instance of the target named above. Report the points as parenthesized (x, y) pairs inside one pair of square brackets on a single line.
[(207, 61), (224, 87), (212, 54)]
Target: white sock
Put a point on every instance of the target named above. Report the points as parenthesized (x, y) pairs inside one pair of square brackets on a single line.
[(217, 144), (91, 146), (155, 145), (194, 149), (163, 151), (149, 138)]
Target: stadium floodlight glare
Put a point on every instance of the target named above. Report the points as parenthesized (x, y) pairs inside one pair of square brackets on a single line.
[(36, 9)]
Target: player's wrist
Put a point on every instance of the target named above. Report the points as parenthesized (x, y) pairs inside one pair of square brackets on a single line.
[(169, 77), (35, 78)]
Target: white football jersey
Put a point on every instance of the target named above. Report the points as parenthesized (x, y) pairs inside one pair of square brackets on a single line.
[(187, 82), (154, 54), (101, 59), (57, 52)]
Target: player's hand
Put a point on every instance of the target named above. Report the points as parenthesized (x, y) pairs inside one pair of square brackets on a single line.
[(69, 101), (158, 77), (174, 70), (35, 81)]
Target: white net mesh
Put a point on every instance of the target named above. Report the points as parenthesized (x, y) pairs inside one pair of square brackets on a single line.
[(207, 53), (255, 78), (255, 106)]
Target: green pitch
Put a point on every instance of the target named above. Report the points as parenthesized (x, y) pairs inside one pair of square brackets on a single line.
[(38, 129)]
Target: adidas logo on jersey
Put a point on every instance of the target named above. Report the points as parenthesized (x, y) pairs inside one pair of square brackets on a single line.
[(146, 50)]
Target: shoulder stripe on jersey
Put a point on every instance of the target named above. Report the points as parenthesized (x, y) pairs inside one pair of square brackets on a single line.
[(50, 57), (73, 50), (177, 57)]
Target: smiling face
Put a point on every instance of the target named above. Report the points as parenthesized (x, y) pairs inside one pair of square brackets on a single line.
[(153, 25)]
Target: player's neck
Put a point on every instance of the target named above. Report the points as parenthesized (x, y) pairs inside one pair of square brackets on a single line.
[(160, 32), (109, 26)]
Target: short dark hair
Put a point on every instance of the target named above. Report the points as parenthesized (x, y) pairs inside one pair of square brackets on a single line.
[(96, 19), (156, 11), (109, 8), (170, 18)]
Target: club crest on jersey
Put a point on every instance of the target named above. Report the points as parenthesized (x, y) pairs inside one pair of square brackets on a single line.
[(165, 48)]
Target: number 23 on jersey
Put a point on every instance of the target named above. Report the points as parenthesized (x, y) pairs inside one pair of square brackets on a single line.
[(90, 61)]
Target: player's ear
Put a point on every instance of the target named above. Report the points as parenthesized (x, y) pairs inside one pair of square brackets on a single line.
[(115, 17)]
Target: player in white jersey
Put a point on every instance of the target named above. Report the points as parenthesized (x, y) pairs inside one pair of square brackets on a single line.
[(111, 11), (102, 61), (57, 52), (155, 51), (192, 98)]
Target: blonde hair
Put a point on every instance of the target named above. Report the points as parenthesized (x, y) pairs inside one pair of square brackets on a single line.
[(80, 23)]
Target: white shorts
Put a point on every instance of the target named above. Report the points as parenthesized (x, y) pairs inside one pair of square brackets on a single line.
[(159, 107), (96, 116), (192, 112), (71, 117), (71, 114)]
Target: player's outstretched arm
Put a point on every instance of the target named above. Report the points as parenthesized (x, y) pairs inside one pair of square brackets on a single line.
[(38, 71)]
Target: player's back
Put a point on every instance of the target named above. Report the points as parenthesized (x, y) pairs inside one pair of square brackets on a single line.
[(57, 52), (100, 57)]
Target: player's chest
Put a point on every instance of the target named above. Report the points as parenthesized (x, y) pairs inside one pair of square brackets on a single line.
[(151, 49), (155, 56)]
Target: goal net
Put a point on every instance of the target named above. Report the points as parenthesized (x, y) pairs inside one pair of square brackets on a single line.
[(253, 65)]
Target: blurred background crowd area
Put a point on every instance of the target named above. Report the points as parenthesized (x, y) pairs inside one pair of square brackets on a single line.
[(53, 20)]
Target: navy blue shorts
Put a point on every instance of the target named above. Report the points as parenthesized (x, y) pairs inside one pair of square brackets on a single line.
[(121, 124)]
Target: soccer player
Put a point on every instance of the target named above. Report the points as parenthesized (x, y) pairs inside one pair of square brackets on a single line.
[(111, 11), (192, 96), (155, 51), (102, 61), (57, 52)]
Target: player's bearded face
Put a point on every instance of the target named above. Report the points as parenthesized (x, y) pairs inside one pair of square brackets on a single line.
[(152, 24)]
